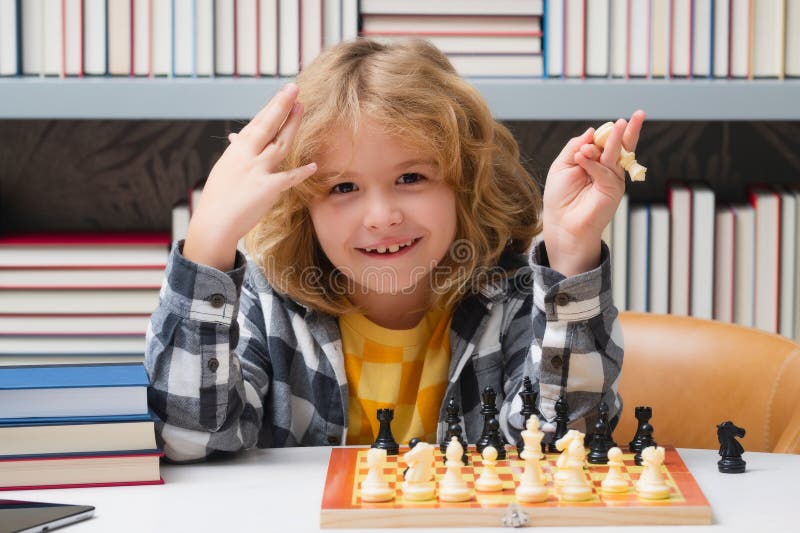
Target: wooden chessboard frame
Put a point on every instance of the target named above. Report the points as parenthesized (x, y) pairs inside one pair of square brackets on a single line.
[(342, 507)]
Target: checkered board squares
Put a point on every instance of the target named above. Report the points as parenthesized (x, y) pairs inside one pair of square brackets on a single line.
[(342, 505)]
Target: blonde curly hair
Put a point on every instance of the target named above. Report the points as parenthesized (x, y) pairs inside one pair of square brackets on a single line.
[(413, 91)]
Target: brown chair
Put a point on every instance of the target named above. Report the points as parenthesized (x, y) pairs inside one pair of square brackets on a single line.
[(698, 373)]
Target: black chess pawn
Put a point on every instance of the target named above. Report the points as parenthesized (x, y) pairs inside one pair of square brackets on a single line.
[(488, 410), (562, 422), (454, 429), (385, 439), (495, 439), (608, 437), (730, 449), (528, 396), (645, 441), (598, 447), (643, 415)]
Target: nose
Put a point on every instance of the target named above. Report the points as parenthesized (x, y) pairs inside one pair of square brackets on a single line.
[(382, 211)]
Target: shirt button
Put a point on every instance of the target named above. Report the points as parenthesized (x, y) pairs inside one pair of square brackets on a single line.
[(213, 364), (556, 361), (562, 299), (217, 300), (333, 440)]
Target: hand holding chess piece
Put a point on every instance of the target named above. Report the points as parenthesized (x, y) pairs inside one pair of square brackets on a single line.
[(626, 159), (375, 488)]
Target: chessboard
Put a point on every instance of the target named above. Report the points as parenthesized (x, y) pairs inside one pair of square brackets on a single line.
[(342, 506)]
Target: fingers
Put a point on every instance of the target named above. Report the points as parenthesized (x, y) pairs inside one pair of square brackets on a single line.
[(567, 154), (610, 157), (598, 171), (631, 137), (276, 150), (265, 125), (290, 178), (232, 137)]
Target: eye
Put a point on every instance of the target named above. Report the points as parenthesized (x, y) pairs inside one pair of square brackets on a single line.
[(411, 177), (342, 188)]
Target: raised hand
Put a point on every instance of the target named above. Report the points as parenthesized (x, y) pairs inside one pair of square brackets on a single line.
[(584, 187), (245, 182)]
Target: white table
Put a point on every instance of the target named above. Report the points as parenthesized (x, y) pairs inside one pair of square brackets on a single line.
[(281, 490)]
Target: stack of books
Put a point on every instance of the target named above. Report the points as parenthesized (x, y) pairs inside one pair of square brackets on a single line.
[(500, 38), (78, 297), (76, 425)]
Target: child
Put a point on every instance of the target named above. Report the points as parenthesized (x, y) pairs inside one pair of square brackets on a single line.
[(390, 221)]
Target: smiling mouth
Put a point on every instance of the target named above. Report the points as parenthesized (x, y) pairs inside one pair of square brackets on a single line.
[(389, 251)]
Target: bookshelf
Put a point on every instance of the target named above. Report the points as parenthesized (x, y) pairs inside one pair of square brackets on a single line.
[(509, 99)]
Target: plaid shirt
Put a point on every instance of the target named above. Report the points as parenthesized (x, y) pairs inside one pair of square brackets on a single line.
[(234, 364)]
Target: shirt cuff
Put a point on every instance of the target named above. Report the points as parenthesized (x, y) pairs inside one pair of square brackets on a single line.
[(574, 298), (200, 292)]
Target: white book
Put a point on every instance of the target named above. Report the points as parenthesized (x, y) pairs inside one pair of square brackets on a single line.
[(722, 21), (288, 37), (92, 359), (574, 42), (788, 263), (349, 19), (619, 38), (701, 38), (638, 258), (332, 22), (204, 38), (745, 267), (619, 261), (224, 41), (268, 37), (658, 290), (767, 204), (659, 38), (180, 221), (60, 278), (73, 38), (119, 37), (246, 38), (724, 263), (597, 38), (71, 255), (73, 345), (475, 44), (63, 438), (183, 37), (162, 38), (680, 251), (702, 284), (554, 37), (74, 325), (450, 7), (427, 25), (792, 67), (479, 65), (52, 37), (639, 46), (740, 38), (681, 38), (8, 37), (94, 37), (768, 38), (33, 37), (79, 301), (142, 20)]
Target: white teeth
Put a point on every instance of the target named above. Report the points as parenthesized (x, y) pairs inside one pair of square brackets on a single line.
[(391, 249), (394, 248), (381, 250)]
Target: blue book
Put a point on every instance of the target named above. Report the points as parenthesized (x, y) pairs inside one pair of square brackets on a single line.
[(87, 390)]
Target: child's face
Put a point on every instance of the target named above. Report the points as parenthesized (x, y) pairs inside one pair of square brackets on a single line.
[(388, 195)]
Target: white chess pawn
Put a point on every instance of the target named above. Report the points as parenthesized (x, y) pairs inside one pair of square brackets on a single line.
[(489, 481), (562, 445), (576, 486), (615, 481), (419, 484), (651, 484), (452, 487), (375, 488), (532, 487), (626, 159)]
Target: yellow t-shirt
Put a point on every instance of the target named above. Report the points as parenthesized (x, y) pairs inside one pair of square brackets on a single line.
[(405, 370)]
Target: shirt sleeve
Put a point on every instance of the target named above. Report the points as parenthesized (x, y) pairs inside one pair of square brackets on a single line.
[(206, 397), (576, 347)]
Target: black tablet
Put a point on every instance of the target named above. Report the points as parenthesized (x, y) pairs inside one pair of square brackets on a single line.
[(23, 517)]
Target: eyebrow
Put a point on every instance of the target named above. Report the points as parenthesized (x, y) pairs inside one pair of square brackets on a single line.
[(403, 164)]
